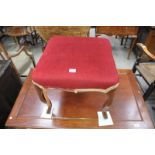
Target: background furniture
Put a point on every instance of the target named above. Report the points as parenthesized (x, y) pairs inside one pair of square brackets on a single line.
[(123, 31), (146, 36), (21, 34), (10, 86), (145, 65), (127, 111), (46, 32), (22, 59)]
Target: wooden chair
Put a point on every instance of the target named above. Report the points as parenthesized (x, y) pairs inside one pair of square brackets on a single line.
[(145, 66), (46, 32), (126, 32), (22, 59), (18, 32)]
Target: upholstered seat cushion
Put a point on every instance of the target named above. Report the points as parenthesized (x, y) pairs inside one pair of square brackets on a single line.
[(148, 71), (76, 63)]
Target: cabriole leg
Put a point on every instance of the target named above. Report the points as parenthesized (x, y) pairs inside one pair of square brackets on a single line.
[(42, 92)]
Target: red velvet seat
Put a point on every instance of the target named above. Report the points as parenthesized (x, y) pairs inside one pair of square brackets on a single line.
[(76, 63)]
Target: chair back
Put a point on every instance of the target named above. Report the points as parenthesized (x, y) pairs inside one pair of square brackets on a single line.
[(145, 54), (46, 32)]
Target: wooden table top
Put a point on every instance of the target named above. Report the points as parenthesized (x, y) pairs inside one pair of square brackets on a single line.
[(117, 30), (128, 109)]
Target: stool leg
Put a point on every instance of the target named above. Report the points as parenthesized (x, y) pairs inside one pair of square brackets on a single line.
[(48, 101), (107, 105), (42, 92)]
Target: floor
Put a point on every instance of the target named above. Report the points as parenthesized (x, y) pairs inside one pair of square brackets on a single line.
[(119, 53)]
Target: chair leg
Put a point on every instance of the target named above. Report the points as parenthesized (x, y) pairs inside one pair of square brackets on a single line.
[(153, 107), (33, 61), (32, 58), (30, 55), (34, 37), (149, 91), (122, 40), (131, 46), (136, 63), (134, 68), (3, 58), (17, 40), (126, 39)]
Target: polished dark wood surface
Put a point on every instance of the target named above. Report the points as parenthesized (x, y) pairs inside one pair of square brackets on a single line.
[(128, 109), (117, 30)]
